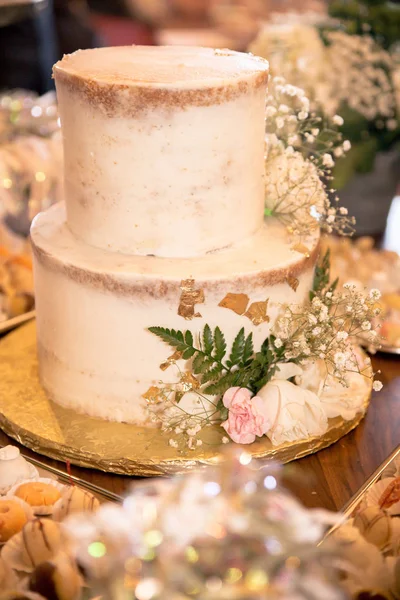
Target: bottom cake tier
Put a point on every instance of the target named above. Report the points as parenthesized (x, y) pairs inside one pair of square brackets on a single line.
[(27, 415), (94, 308)]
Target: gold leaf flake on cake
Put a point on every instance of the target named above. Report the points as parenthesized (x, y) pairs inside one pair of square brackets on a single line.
[(154, 395), (293, 282), (189, 382), (190, 296), (236, 302), (171, 360), (257, 312), (302, 249)]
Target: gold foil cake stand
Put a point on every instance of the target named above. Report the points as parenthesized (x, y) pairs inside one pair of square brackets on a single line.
[(27, 415)]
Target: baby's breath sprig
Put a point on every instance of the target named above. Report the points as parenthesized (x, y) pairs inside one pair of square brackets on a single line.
[(180, 420), (328, 327), (367, 84), (339, 71), (301, 149)]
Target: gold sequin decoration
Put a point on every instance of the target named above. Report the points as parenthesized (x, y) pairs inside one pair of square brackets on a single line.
[(293, 282), (171, 360), (189, 382), (154, 395), (302, 249), (189, 298), (236, 302), (257, 312)]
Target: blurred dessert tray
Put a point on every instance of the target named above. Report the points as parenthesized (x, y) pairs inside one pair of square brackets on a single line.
[(363, 264), (50, 472), (389, 466), (368, 534)]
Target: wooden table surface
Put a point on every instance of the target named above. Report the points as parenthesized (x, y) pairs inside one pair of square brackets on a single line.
[(331, 477)]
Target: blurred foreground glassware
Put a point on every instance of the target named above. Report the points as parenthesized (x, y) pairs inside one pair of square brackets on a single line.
[(230, 531)]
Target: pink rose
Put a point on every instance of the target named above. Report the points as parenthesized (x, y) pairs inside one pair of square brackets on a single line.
[(247, 416)]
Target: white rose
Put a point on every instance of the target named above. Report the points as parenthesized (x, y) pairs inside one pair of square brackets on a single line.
[(295, 413), (345, 402), (312, 376), (287, 370)]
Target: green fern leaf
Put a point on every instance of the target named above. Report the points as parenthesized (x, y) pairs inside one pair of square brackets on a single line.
[(321, 275), (265, 379), (220, 386), (170, 336), (206, 365), (197, 363), (237, 351), (207, 340), (189, 338), (269, 356), (188, 353), (220, 344), (212, 374), (265, 346), (248, 349)]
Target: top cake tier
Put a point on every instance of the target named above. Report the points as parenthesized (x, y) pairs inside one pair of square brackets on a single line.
[(163, 147)]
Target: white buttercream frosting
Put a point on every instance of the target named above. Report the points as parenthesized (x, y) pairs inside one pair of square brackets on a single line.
[(94, 307), (154, 163), (267, 251), (160, 65)]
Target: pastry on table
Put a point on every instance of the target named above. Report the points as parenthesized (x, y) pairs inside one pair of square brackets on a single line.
[(16, 283), (14, 468), (385, 494), (74, 500), (39, 540), (57, 579), (41, 494), (13, 517), (376, 526), (8, 579), (17, 595), (359, 262), (393, 469)]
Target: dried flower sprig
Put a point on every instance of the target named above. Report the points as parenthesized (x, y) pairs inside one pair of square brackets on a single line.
[(183, 417), (300, 151)]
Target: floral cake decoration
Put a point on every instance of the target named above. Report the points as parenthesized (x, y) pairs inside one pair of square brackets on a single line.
[(290, 386)]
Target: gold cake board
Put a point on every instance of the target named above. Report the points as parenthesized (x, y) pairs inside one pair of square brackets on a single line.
[(28, 416)]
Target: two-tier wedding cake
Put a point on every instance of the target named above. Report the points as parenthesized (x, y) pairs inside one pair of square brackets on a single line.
[(163, 222), (178, 284)]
